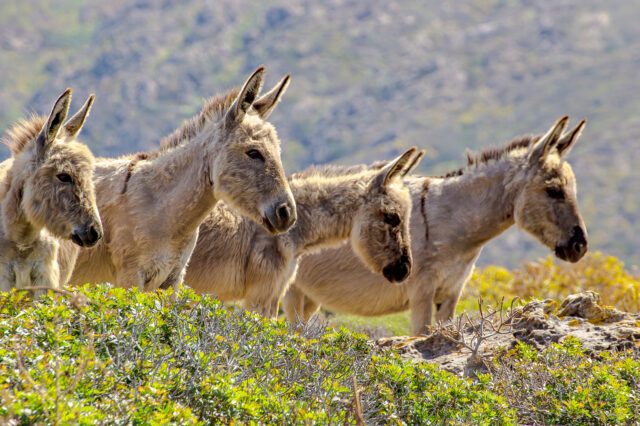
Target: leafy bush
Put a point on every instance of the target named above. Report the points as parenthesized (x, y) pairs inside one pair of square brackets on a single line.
[(109, 355), (120, 356), (561, 385), (552, 279)]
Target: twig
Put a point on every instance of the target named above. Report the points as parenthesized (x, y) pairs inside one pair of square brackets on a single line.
[(357, 404), (77, 300)]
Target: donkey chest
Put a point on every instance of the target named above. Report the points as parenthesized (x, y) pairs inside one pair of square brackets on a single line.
[(452, 271), (31, 265), (271, 264), (162, 266)]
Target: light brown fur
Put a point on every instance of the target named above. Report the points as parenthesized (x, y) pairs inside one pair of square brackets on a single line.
[(46, 195), (235, 259), (453, 217), (152, 204)]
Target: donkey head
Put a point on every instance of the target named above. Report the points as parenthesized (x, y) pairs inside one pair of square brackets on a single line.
[(380, 235), (248, 173), (59, 195), (548, 206)]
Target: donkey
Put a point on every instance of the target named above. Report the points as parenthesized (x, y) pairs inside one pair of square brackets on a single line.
[(152, 204), (453, 217), (46, 194), (237, 260)]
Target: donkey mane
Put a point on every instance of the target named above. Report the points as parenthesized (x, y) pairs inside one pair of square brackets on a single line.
[(214, 108), (25, 130), (493, 154)]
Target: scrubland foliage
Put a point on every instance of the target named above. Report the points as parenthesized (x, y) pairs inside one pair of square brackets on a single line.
[(124, 356), (562, 385), (105, 355)]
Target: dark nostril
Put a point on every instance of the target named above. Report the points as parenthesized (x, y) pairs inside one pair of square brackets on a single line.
[(92, 234), (283, 212), (578, 240), (402, 271)]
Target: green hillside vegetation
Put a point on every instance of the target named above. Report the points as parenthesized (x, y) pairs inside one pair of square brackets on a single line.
[(369, 79), (118, 356)]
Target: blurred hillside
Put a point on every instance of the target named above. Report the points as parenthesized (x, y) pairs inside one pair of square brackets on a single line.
[(369, 78)]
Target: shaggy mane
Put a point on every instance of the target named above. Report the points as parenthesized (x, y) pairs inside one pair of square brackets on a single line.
[(25, 130), (493, 154), (214, 108)]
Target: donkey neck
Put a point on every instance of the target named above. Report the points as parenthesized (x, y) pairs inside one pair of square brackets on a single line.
[(180, 179), (326, 209), (478, 205)]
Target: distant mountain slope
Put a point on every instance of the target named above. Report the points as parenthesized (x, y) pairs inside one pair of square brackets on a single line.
[(369, 78)]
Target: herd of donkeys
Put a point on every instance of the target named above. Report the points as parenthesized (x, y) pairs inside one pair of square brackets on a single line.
[(213, 209)]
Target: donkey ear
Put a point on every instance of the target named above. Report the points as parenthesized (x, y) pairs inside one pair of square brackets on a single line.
[(246, 97), (414, 163), (567, 140), (546, 143), (52, 127), (267, 102), (396, 168), (73, 126)]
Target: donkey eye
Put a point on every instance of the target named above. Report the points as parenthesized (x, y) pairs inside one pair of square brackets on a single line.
[(64, 177), (392, 219), (255, 154), (555, 193)]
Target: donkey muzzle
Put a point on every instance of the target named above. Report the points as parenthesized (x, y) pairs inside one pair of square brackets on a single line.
[(399, 270), (280, 217), (87, 235), (574, 249)]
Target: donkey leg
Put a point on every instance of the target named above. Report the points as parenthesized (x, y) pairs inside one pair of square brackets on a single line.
[(446, 309), (446, 305), (273, 310), (130, 277), (293, 305), (310, 307), (6, 281), (421, 306), (175, 277), (48, 276), (258, 304)]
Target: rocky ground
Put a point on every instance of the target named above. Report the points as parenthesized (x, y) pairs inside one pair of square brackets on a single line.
[(466, 345)]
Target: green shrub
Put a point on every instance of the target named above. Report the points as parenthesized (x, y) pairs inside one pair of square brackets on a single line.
[(129, 357), (561, 385)]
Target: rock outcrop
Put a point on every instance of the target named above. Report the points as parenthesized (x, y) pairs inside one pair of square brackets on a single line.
[(539, 324)]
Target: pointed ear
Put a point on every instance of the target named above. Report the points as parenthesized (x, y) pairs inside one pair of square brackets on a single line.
[(267, 102), (395, 169), (414, 163), (73, 126), (546, 143), (50, 130), (246, 97), (567, 140)]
